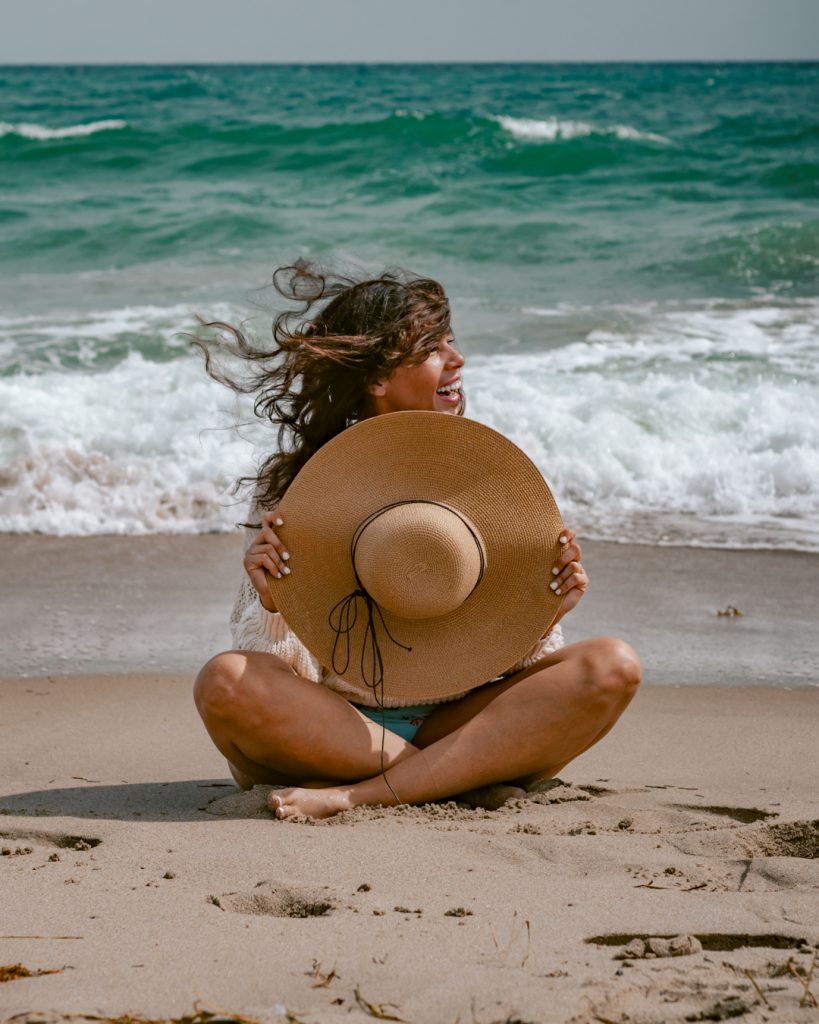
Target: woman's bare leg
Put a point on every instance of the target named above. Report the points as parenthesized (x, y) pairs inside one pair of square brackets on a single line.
[(529, 726), (275, 727)]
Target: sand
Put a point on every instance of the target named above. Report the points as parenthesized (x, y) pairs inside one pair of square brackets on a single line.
[(149, 882)]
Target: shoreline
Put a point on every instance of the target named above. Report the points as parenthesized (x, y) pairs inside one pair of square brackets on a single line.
[(161, 603)]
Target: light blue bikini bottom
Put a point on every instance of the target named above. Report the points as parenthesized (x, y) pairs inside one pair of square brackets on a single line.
[(405, 722)]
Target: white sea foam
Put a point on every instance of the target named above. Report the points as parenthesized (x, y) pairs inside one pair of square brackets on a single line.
[(661, 424), (695, 426), (533, 130), (41, 133), (624, 131), (145, 447), (552, 129)]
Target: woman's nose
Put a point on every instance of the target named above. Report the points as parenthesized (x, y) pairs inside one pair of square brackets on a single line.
[(455, 358)]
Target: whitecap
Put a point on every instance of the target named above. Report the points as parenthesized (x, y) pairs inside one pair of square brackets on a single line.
[(531, 129), (624, 131), (41, 133), (552, 129)]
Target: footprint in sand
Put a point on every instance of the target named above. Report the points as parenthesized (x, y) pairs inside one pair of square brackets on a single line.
[(58, 839), (711, 942), (273, 899), (784, 839), (752, 858), (744, 815)]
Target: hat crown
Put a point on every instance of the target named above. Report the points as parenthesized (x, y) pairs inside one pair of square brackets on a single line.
[(419, 559)]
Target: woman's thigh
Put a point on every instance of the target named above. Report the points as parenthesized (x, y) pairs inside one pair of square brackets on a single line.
[(271, 722), (594, 661)]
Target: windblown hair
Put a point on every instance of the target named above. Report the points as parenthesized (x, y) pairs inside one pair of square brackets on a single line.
[(345, 336)]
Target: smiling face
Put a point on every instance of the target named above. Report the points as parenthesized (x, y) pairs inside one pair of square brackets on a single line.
[(433, 385)]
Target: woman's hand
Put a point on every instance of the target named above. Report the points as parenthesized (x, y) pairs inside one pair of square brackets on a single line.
[(267, 552), (570, 577)]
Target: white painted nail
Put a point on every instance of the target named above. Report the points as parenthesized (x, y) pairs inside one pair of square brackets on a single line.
[(558, 590), (287, 570), (279, 522), (553, 585), (563, 540), (278, 575), (285, 555), (555, 571)]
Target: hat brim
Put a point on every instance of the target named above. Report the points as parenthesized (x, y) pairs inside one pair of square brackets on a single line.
[(427, 455)]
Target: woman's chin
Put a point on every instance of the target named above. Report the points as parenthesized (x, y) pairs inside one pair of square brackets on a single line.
[(442, 405)]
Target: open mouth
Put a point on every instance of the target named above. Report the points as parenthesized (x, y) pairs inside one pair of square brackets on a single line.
[(451, 392)]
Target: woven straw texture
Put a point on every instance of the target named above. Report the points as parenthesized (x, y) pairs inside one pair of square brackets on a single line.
[(431, 456)]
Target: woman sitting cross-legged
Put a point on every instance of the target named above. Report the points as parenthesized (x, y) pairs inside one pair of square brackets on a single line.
[(422, 562)]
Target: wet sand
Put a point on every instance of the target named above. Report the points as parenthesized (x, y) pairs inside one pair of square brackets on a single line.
[(145, 604)]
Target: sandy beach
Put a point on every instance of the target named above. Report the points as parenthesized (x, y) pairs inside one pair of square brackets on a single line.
[(136, 871)]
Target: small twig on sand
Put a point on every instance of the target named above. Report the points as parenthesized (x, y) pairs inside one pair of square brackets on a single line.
[(205, 1012), (201, 1015), (808, 998), (42, 936), (377, 1010), (528, 943), (322, 980), (13, 972), (749, 974)]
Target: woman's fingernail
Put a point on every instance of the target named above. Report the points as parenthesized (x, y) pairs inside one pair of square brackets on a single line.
[(287, 570), (563, 540), (280, 522), (285, 555), (555, 571), (558, 590), (553, 585), (278, 575)]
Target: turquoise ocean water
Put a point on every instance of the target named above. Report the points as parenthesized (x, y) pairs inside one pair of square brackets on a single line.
[(632, 253)]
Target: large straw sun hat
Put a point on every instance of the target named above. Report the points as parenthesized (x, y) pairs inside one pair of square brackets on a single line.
[(422, 546)]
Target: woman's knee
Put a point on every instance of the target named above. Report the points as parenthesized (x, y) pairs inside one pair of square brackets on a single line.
[(218, 687), (612, 667)]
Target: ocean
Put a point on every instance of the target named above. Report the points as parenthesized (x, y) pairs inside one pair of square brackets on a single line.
[(631, 251)]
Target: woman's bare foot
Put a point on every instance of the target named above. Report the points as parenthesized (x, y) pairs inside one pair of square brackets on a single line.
[(315, 803), (490, 798)]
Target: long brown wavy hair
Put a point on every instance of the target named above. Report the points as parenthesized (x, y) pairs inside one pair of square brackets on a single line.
[(344, 336)]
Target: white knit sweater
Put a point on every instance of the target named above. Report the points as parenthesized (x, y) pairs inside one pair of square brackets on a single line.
[(254, 628)]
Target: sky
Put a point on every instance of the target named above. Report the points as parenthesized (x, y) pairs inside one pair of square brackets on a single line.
[(277, 31)]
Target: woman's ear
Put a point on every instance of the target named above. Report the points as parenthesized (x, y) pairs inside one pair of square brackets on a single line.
[(378, 390)]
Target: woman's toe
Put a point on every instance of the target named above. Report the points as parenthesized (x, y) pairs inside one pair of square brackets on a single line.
[(275, 800)]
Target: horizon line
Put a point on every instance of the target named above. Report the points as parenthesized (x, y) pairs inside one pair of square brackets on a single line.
[(403, 63)]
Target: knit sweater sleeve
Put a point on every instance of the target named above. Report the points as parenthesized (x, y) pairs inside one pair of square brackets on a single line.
[(254, 628), (547, 644)]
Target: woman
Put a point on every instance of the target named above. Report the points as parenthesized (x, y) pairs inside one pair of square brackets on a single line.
[(358, 349)]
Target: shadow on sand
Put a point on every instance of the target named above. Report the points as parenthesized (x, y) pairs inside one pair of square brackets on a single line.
[(184, 800)]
